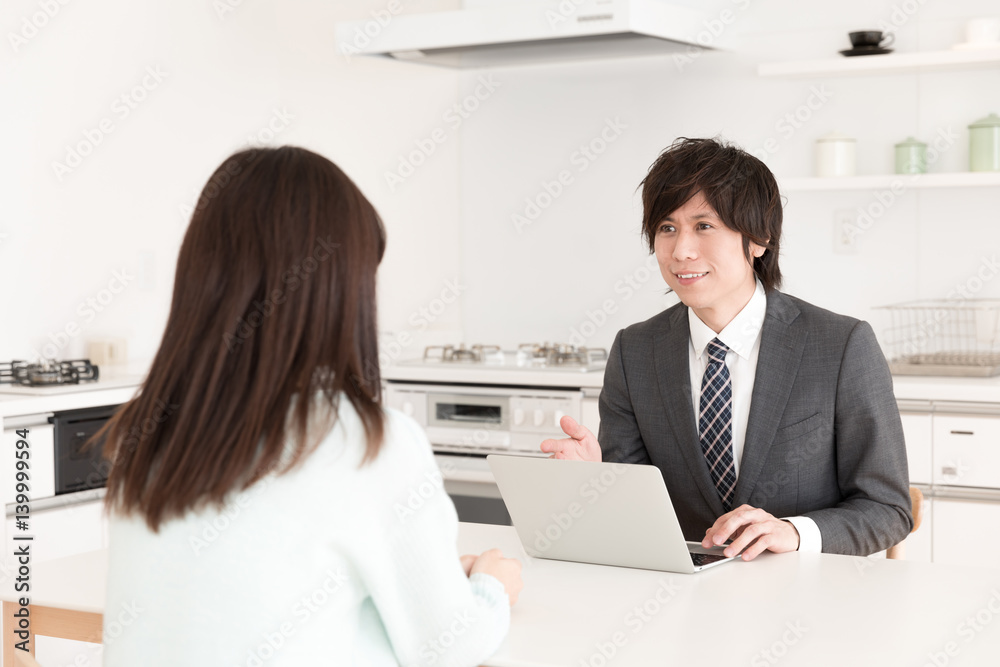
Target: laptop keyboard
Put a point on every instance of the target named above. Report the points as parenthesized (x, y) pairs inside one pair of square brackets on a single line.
[(705, 559)]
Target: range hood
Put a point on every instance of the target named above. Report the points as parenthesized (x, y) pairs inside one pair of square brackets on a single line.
[(490, 33)]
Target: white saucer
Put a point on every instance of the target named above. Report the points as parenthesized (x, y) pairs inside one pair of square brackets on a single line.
[(976, 46)]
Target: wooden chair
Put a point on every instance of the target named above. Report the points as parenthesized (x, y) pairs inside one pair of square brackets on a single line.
[(898, 551), (24, 659)]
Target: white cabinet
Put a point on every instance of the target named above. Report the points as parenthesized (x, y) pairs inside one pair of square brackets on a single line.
[(967, 451), (957, 456), (57, 533), (41, 460), (589, 413), (917, 432), (965, 532), (64, 531)]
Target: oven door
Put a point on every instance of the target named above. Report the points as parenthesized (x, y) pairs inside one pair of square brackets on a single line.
[(79, 467), (470, 422), (469, 482), (465, 423)]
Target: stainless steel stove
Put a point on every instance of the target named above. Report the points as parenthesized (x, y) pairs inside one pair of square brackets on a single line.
[(47, 373), (479, 400), (52, 378), (560, 357)]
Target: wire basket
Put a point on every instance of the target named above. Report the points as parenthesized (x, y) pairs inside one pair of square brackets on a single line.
[(943, 337)]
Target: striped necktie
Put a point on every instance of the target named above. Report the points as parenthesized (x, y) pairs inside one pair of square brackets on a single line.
[(715, 424)]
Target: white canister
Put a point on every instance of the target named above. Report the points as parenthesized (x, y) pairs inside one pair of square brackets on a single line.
[(107, 351), (836, 155), (983, 31)]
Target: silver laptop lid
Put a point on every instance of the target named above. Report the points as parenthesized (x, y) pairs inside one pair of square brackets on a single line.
[(602, 513)]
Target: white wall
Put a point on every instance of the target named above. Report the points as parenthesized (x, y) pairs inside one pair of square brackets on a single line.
[(548, 279), (450, 223), (225, 74)]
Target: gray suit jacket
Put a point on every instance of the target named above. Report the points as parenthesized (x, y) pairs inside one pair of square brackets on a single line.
[(824, 438)]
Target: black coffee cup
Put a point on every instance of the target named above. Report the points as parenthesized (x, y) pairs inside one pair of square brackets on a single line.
[(871, 39)]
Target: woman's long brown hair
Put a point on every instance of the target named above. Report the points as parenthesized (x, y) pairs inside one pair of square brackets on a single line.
[(274, 301)]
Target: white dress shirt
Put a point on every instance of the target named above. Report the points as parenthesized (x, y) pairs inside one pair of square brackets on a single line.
[(742, 337)]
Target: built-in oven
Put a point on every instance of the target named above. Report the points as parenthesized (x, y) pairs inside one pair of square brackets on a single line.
[(79, 465), (465, 423)]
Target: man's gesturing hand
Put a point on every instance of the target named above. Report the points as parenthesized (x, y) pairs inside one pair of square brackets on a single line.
[(581, 445), (753, 530)]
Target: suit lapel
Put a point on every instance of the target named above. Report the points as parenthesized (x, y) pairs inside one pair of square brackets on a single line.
[(671, 358), (781, 347)]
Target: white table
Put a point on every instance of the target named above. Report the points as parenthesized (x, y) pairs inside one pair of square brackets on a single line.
[(804, 609), (790, 609)]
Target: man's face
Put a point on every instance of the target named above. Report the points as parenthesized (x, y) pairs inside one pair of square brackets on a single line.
[(702, 261)]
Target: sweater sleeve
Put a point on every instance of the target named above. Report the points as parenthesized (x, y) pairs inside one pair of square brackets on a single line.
[(432, 613)]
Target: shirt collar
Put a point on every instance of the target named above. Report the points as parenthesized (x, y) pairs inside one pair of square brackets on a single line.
[(740, 334)]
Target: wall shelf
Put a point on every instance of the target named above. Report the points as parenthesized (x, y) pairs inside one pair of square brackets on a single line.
[(892, 63), (887, 181)]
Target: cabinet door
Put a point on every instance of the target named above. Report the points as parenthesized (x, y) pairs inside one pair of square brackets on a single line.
[(967, 451), (590, 414), (965, 532), (917, 431), (64, 531), (42, 460)]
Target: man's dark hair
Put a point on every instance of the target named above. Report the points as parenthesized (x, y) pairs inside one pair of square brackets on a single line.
[(740, 188)]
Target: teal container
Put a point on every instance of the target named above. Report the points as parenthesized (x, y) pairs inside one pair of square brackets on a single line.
[(911, 157), (984, 144)]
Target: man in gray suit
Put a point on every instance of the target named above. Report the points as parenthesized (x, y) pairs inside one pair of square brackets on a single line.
[(773, 421)]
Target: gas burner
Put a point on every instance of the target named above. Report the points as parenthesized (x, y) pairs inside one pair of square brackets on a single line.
[(48, 372), (560, 354), (477, 354)]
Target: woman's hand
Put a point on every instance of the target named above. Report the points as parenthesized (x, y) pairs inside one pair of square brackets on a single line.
[(506, 570)]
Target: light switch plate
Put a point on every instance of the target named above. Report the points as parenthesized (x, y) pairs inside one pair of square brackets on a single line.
[(147, 270), (846, 232)]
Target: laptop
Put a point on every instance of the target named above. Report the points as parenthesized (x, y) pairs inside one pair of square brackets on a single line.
[(602, 513)]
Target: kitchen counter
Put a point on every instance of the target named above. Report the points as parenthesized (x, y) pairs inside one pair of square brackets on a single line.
[(815, 609), (61, 501), (113, 387), (958, 389), (119, 387), (906, 387), (454, 373)]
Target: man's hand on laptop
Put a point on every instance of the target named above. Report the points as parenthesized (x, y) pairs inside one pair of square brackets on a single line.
[(581, 445), (752, 531)]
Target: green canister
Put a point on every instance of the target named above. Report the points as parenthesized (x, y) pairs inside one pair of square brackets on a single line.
[(984, 144), (911, 157)]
